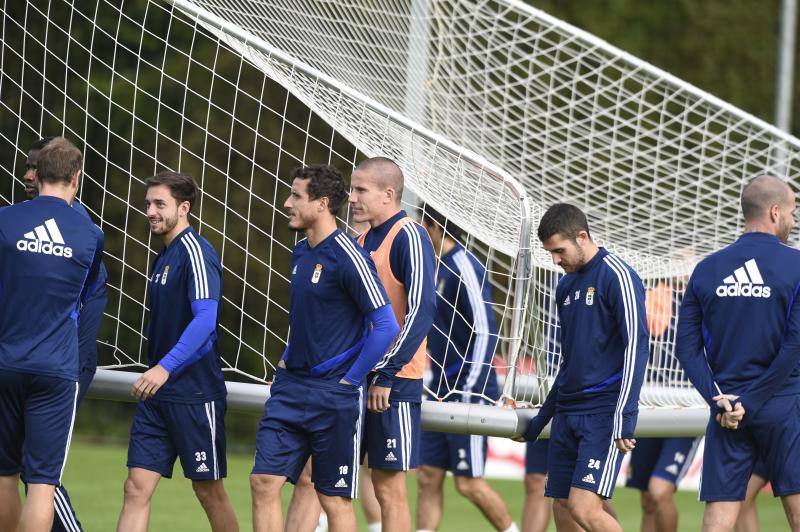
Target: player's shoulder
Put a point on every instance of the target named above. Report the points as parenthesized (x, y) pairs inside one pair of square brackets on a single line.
[(465, 262), (413, 236), (345, 248), (194, 245)]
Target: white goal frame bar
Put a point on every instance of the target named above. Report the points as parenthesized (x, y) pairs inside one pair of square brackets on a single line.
[(455, 417)]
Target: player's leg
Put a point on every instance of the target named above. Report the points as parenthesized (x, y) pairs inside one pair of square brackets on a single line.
[(198, 434), (139, 488), (586, 507), (435, 459), (562, 455), (470, 459), (12, 435), (10, 504), (151, 455), (643, 460), (596, 469), (88, 327), (304, 507), (49, 414), (336, 431), (536, 512), (748, 514), (282, 450), (369, 503), (393, 445), (674, 459), (728, 460), (563, 518), (791, 506)]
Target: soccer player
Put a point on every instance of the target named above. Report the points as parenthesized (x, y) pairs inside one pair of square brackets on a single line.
[(91, 314), (341, 325), (739, 343), (182, 397), (593, 402), (49, 255), (461, 343)]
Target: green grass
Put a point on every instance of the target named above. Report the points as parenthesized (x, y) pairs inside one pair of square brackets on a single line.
[(95, 474)]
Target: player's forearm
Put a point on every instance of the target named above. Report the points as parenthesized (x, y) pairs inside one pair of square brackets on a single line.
[(191, 346), (384, 330), (408, 342)]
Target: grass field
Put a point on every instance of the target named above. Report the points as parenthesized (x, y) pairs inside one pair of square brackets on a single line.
[(95, 474)]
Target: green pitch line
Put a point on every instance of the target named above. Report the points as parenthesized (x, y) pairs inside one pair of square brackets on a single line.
[(95, 474)]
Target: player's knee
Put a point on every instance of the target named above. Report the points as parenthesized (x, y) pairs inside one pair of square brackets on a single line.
[(136, 491), (389, 488), (334, 505), (264, 487), (208, 492), (580, 512), (469, 487), (661, 495), (428, 481), (648, 503), (534, 484)]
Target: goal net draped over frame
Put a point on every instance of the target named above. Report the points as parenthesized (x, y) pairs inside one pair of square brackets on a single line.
[(493, 109)]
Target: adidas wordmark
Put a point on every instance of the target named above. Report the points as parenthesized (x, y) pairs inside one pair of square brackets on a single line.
[(45, 239), (746, 281)]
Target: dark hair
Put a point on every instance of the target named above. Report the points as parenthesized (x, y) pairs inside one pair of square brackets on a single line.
[(325, 182), (431, 216), (564, 219), (58, 161), (41, 143), (181, 186)]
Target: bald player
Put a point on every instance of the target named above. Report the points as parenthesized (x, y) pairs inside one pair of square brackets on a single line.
[(739, 343)]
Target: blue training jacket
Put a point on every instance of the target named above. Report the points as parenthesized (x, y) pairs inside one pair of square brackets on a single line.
[(739, 326), (604, 345), (49, 256)]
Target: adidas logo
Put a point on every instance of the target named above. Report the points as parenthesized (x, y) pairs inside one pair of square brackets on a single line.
[(45, 239), (341, 484), (202, 468), (462, 465), (746, 281), (589, 479), (390, 457), (672, 469)]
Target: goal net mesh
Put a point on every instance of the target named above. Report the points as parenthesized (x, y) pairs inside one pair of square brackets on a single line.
[(476, 100)]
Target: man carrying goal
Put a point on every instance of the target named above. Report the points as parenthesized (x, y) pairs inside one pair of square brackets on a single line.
[(341, 324), (739, 343), (91, 314), (182, 397), (593, 401)]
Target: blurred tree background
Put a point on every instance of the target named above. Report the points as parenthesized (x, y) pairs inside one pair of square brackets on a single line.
[(158, 93)]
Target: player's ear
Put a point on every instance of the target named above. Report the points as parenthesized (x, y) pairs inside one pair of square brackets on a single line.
[(184, 208), (775, 213)]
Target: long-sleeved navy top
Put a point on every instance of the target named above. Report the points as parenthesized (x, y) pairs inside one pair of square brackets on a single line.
[(739, 324), (604, 345), (413, 262), (463, 339), (49, 255)]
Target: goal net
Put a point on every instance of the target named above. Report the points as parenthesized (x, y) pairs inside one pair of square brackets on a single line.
[(493, 109)]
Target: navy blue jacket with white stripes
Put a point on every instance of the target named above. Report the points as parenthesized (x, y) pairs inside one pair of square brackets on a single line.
[(463, 339), (739, 324), (185, 291), (604, 345)]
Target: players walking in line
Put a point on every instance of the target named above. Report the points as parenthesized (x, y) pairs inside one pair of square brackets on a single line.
[(49, 256), (739, 343), (182, 397), (593, 401), (341, 325), (461, 343), (91, 314)]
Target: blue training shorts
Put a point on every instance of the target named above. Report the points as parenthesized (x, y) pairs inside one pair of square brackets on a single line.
[(772, 433), (36, 418), (306, 416), (666, 458), (536, 457), (462, 454), (582, 454), (393, 437), (162, 432)]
